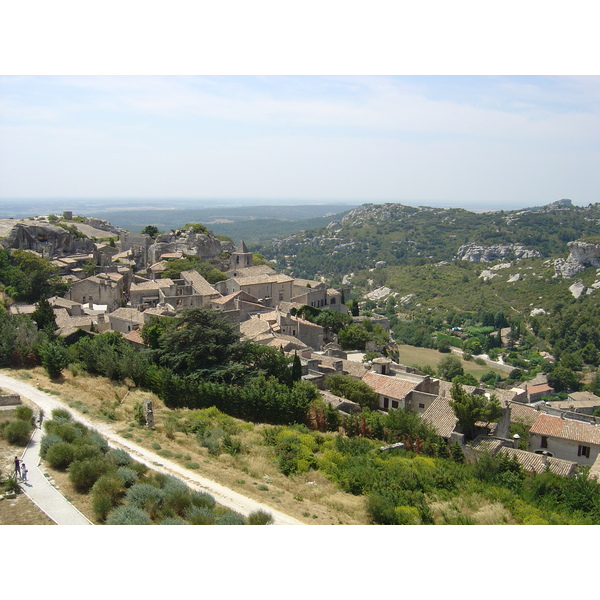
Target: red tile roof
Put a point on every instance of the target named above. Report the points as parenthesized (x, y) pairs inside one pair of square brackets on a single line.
[(565, 429)]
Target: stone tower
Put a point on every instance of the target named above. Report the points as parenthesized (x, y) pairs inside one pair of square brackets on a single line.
[(241, 258)]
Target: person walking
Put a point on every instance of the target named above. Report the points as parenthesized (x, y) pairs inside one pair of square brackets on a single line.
[(41, 418), (23, 471), (17, 467)]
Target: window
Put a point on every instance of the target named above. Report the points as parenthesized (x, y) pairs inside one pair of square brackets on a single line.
[(394, 403), (333, 301), (421, 405), (544, 443), (583, 451)]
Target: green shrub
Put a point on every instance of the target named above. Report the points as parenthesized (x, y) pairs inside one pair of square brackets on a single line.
[(260, 517), (230, 518), (68, 431), (139, 468), (60, 413), (83, 474), (172, 521), (101, 505), (96, 439), (23, 413), (110, 484), (84, 450), (128, 515), (232, 445), (129, 476), (119, 457), (202, 500), (179, 501), (146, 496), (17, 433), (197, 515), (61, 455), (49, 440), (191, 465)]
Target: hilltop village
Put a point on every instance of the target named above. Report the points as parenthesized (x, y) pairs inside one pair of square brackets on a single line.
[(116, 283)]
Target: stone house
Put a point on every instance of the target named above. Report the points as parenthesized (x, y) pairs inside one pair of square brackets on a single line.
[(536, 392), (104, 289), (269, 289), (565, 438), (238, 306), (191, 291), (408, 391), (308, 333), (146, 293), (126, 319)]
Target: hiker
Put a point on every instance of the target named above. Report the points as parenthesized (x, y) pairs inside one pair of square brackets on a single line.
[(17, 467), (23, 471), (41, 418)]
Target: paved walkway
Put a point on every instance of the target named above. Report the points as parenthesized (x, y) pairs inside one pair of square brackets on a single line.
[(223, 495), (42, 492)]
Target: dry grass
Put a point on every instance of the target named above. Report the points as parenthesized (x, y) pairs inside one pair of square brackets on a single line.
[(415, 356), (310, 498), (471, 509)]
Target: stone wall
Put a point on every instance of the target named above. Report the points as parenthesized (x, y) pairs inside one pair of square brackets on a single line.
[(10, 400)]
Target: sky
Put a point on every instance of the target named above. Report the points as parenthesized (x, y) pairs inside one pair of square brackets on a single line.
[(482, 141), (433, 103)]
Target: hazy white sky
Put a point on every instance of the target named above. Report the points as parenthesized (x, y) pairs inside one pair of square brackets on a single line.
[(473, 141)]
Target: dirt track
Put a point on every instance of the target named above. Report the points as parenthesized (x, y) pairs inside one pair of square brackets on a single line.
[(223, 495)]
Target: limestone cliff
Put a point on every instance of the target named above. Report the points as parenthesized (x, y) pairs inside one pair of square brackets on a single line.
[(582, 254), (49, 240), (188, 241), (477, 253)]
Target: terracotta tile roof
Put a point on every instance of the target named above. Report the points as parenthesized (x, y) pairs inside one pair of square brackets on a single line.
[(440, 414), (483, 443), (534, 463), (539, 389), (386, 385), (523, 413), (566, 429), (134, 336)]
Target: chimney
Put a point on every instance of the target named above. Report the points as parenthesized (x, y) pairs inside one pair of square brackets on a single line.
[(516, 439), (545, 458)]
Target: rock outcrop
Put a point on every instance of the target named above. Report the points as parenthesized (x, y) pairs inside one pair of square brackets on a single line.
[(582, 254), (188, 241), (49, 240), (476, 253)]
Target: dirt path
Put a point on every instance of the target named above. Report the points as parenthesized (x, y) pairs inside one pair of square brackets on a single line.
[(222, 494)]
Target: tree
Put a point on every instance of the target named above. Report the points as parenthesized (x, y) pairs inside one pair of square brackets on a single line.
[(43, 315), (54, 358), (201, 343), (450, 367), (353, 337), (563, 379), (470, 408), (296, 368), (150, 230), (352, 389)]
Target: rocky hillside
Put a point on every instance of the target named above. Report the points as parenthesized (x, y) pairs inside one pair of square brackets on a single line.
[(376, 235)]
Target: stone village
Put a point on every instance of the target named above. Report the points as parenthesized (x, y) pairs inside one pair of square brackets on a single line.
[(116, 285)]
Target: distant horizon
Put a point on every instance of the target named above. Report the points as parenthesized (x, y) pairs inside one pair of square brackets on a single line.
[(115, 204)]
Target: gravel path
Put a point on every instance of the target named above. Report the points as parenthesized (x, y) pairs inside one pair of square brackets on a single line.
[(222, 494)]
